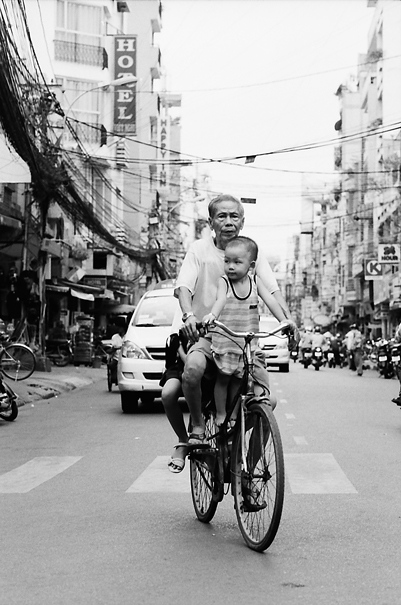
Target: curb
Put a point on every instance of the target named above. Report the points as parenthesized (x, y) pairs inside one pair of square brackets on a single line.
[(36, 390)]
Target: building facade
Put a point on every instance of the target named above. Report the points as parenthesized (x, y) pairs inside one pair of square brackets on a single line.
[(347, 277)]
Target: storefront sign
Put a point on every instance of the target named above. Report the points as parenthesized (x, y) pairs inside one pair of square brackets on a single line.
[(373, 269), (125, 96), (389, 253)]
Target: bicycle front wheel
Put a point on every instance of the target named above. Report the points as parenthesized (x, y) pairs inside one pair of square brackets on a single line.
[(203, 469), (258, 477), (17, 361)]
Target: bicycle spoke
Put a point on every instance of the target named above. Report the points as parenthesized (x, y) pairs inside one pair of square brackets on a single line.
[(259, 484), (202, 467)]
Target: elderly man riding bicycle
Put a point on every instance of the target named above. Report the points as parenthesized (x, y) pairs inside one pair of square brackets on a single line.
[(196, 289)]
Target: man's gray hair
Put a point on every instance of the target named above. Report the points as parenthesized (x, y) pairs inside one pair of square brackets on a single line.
[(224, 197)]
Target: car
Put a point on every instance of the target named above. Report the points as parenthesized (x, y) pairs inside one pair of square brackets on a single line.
[(275, 348), (141, 360)]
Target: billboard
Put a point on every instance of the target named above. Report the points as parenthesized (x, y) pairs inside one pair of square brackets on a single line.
[(125, 48)]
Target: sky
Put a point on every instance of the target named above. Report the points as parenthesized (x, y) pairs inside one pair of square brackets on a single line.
[(259, 76)]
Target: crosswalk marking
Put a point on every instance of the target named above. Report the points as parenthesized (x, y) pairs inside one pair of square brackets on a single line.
[(34, 472), (157, 478), (290, 416), (283, 401), (306, 474), (316, 474)]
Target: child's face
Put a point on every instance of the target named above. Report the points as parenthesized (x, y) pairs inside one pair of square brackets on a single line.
[(237, 262)]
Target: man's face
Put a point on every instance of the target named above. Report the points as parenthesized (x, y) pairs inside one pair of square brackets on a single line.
[(227, 221)]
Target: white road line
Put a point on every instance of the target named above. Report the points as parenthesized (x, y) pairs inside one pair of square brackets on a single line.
[(283, 401), (290, 416), (279, 390), (157, 478), (300, 441), (34, 472), (316, 474)]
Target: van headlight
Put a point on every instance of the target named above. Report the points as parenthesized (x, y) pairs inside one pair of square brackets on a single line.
[(131, 351), (282, 345)]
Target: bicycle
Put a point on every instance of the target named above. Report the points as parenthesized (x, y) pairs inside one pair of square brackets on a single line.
[(246, 453), (17, 361)]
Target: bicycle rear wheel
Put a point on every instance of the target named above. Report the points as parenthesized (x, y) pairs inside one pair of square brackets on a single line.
[(17, 361), (203, 468), (258, 477)]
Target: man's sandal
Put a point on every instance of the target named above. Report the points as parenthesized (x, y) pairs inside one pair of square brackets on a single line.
[(176, 465)]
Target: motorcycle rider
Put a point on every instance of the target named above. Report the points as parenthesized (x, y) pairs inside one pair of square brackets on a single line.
[(318, 339), (305, 342), (397, 339)]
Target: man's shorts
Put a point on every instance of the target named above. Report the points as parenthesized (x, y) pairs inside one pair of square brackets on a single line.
[(204, 346)]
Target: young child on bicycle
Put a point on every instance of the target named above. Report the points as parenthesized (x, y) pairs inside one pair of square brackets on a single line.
[(236, 306)]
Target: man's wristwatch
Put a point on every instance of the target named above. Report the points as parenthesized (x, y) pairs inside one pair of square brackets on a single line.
[(186, 315)]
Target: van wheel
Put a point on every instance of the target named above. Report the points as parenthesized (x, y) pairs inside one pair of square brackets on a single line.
[(284, 368), (129, 402)]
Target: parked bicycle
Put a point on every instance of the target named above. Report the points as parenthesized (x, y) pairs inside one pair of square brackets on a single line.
[(17, 362), (245, 453)]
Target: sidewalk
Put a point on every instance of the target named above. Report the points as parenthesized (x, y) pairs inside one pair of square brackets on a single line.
[(44, 385)]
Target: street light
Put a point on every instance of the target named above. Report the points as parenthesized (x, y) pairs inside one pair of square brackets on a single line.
[(123, 80)]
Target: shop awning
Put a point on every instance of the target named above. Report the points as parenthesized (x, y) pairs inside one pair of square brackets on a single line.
[(55, 288), (82, 295)]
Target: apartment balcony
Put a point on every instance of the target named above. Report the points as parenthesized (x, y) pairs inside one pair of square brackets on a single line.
[(74, 52)]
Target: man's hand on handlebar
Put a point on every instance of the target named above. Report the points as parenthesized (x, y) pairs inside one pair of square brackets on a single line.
[(293, 335), (190, 330)]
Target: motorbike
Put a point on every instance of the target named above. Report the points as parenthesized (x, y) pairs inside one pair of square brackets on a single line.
[(384, 363), (59, 351), (8, 402), (306, 357), (294, 354), (396, 356), (317, 358), (331, 360)]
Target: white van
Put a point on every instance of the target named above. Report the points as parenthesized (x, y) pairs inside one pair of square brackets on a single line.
[(142, 357)]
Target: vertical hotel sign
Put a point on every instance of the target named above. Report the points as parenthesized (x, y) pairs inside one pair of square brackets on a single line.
[(125, 96)]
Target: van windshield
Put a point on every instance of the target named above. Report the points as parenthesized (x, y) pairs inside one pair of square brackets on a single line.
[(156, 311)]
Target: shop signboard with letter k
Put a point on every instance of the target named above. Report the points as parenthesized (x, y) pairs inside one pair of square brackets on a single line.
[(373, 269)]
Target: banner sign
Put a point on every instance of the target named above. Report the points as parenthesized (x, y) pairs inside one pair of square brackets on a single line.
[(373, 269), (125, 96), (389, 253)]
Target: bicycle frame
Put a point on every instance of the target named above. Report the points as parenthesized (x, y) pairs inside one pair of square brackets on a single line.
[(253, 463), (250, 382)]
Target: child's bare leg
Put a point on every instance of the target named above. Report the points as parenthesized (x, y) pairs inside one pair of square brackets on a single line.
[(220, 396)]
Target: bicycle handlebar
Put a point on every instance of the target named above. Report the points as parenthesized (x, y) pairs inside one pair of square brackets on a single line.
[(228, 330)]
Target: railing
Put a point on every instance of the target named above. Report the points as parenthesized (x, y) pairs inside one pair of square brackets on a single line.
[(74, 52)]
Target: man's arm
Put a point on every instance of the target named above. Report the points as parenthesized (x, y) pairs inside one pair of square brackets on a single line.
[(185, 300)]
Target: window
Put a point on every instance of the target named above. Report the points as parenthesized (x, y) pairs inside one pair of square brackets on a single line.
[(99, 259), (79, 33), (85, 110)]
